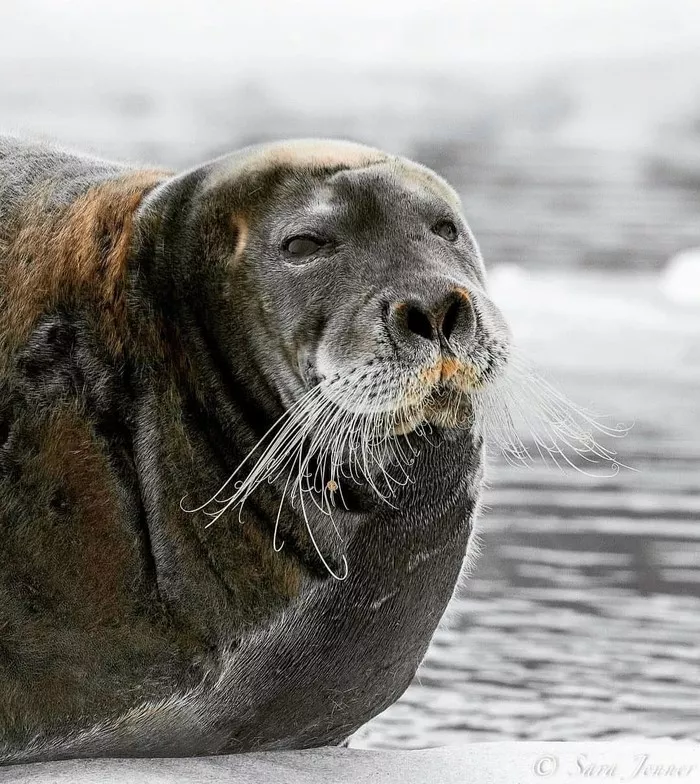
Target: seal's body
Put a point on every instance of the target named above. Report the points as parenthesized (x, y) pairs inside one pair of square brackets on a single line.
[(153, 329)]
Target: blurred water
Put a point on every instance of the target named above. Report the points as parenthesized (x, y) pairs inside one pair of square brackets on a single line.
[(582, 617)]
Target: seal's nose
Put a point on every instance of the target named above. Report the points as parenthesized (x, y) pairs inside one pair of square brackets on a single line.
[(449, 318)]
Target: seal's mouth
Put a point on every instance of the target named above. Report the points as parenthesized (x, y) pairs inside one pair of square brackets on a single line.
[(445, 406), (441, 396)]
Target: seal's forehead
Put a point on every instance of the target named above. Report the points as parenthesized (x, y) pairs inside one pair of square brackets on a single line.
[(330, 156)]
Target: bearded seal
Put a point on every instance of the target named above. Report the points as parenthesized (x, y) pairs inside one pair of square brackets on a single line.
[(239, 453)]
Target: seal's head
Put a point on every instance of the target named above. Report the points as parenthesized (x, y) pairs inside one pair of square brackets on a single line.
[(352, 274), (362, 267)]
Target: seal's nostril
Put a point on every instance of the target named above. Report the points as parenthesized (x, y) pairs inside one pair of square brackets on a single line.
[(418, 322), (450, 318)]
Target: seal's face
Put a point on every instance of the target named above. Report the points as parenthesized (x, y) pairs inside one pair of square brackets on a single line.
[(370, 283), (347, 296)]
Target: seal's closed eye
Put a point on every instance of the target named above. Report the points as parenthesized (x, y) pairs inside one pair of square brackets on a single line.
[(303, 245)]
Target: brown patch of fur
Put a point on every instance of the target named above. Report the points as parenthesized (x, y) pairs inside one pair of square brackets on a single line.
[(96, 558), (71, 254), (443, 370), (450, 367)]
